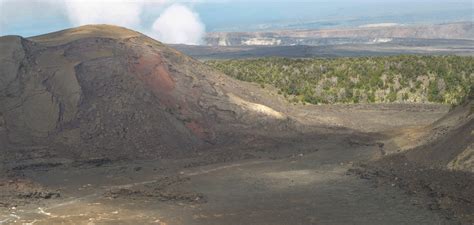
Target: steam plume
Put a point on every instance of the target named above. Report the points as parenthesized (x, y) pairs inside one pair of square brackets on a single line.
[(179, 25)]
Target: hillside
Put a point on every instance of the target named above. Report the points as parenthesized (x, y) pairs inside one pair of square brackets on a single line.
[(109, 92), (449, 142), (436, 165), (443, 79)]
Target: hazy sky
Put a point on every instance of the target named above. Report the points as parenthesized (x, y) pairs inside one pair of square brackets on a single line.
[(186, 21)]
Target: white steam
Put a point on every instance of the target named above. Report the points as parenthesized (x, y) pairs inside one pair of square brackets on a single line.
[(179, 25)]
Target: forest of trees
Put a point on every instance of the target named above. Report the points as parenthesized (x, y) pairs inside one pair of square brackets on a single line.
[(439, 79)]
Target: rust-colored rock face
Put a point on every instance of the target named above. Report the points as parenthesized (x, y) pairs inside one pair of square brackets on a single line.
[(152, 70), (105, 91)]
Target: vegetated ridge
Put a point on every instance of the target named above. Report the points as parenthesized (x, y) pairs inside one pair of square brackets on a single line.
[(436, 79)]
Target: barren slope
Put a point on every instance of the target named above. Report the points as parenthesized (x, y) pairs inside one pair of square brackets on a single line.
[(105, 91), (436, 163)]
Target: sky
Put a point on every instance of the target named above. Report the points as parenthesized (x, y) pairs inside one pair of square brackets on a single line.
[(174, 21)]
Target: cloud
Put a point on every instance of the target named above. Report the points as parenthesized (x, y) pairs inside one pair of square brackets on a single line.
[(178, 24)]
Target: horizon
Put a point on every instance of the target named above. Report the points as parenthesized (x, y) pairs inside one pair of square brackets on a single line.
[(187, 22)]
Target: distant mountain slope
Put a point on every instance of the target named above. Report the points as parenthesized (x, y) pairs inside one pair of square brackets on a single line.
[(377, 34), (396, 47), (106, 91)]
